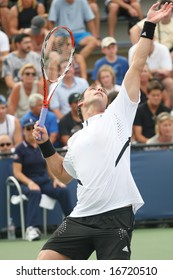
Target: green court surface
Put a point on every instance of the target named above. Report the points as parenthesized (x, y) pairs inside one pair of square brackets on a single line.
[(147, 244)]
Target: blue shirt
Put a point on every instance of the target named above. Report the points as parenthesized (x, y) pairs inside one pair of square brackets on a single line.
[(51, 122), (33, 163), (72, 15), (120, 67)]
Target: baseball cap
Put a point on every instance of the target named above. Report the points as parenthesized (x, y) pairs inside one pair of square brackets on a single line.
[(107, 41), (73, 98), (37, 24), (3, 100), (28, 122)]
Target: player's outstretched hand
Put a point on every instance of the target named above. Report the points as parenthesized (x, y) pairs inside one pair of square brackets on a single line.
[(155, 15), (37, 131)]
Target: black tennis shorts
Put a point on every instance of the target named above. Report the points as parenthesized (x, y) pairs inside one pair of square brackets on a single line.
[(109, 234)]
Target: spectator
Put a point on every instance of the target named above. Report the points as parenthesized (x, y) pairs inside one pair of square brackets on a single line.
[(80, 66), (69, 84), (4, 14), (163, 31), (146, 77), (4, 46), (30, 169), (35, 102), (21, 14), (107, 79), (16, 59), (160, 64), (163, 130), (38, 33), (129, 8), (63, 12), (70, 123), (143, 127), (118, 63), (95, 8), (18, 99), (6, 146), (9, 124)]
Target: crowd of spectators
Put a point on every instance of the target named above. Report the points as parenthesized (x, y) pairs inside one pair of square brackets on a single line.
[(23, 27)]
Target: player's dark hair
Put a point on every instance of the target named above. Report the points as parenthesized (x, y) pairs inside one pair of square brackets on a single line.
[(79, 111)]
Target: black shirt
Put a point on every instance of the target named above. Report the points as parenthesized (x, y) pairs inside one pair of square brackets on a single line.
[(145, 118)]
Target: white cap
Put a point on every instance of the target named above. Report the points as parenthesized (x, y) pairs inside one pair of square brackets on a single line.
[(107, 41)]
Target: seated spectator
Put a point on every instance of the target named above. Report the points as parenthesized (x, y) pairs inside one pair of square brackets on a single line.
[(21, 14), (70, 123), (18, 100), (163, 130), (107, 79), (14, 61), (119, 63), (80, 66), (38, 33), (129, 8), (9, 124), (163, 31), (30, 170), (160, 64), (35, 102), (143, 127), (6, 146), (4, 14), (69, 84), (4, 47), (63, 12), (95, 8)]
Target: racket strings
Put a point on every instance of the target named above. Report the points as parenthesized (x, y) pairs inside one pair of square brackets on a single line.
[(57, 49)]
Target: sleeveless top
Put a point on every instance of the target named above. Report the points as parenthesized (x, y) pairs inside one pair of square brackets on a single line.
[(25, 17), (8, 126), (23, 106)]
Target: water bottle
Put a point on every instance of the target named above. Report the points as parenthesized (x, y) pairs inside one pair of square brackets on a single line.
[(11, 230)]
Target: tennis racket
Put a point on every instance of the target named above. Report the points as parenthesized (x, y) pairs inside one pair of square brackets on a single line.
[(57, 47)]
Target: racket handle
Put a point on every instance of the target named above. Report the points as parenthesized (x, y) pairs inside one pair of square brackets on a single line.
[(42, 118)]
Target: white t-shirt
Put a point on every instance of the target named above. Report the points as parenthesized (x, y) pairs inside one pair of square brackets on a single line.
[(159, 59), (91, 157), (4, 45)]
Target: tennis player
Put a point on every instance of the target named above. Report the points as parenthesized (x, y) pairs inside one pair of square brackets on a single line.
[(98, 157)]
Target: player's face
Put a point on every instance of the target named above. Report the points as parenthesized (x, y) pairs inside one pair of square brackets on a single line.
[(98, 95)]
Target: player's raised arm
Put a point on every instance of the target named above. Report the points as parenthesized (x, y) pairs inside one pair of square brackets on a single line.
[(132, 78)]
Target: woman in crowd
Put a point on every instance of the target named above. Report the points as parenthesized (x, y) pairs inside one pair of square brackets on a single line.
[(107, 79), (18, 100), (21, 14), (163, 129)]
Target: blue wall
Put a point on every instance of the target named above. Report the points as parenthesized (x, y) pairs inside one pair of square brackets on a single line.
[(152, 171)]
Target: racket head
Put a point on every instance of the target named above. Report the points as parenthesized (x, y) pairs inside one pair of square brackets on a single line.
[(58, 46)]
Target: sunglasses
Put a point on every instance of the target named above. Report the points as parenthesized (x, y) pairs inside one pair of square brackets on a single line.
[(29, 128), (30, 74), (5, 144)]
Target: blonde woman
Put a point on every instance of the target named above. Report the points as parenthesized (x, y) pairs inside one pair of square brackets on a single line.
[(163, 129), (18, 100), (107, 79), (21, 14)]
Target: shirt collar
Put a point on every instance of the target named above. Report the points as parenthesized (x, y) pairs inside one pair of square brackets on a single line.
[(91, 119)]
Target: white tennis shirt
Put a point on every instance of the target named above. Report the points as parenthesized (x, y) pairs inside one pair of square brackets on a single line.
[(91, 157)]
